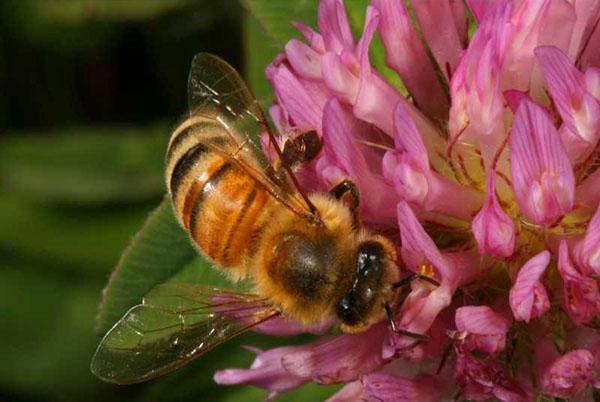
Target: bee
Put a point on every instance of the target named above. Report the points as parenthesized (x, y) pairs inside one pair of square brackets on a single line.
[(306, 255)]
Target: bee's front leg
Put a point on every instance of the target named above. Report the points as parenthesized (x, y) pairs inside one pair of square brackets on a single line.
[(400, 331), (348, 186)]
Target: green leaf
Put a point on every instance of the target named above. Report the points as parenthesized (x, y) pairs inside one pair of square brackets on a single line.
[(47, 333), (81, 11), (259, 51), (73, 240), (275, 17), (158, 251), (85, 165)]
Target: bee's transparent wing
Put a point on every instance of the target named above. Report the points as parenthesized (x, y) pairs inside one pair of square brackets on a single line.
[(174, 324), (216, 89)]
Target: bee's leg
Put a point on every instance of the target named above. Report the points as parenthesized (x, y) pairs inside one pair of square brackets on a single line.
[(399, 331), (348, 186), (388, 310), (303, 148), (408, 279)]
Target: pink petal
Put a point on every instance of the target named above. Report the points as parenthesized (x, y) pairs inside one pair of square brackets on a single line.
[(579, 110), (528, 297), (352, 391), (564, 80), (392, 388), (596, 351), (588, 192), (410, 182), (304, 109), (315, 40), (376, 99), (407, 138), (417, 246), (492, 228), (334, 26), (439, 31), (408, 168), (405, 54), (459, 12), (477, 110), (340, 358), (513, 98), (447, 197), (479, 8), (568, 375), (586, 12), (581, 298), (590, 56), (454, 269), (346, 158), (266, 372), (543, 180), (282, 122), (281, 326), (592, 81), (557, 27), (479, 380), (482, 328), (338, 78), (305, 61), (527, 19), (587, 251), (555, 30)]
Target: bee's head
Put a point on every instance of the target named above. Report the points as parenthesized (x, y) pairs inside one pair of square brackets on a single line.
[(363, 303)]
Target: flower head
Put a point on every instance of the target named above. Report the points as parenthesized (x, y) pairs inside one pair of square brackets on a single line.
[(486, 177)]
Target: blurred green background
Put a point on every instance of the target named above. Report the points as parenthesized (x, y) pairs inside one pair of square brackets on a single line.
[(89, 90)]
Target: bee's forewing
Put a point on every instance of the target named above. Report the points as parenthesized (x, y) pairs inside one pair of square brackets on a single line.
[(216, 88)]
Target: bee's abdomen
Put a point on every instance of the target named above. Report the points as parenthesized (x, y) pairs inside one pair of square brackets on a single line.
[(216, 201)]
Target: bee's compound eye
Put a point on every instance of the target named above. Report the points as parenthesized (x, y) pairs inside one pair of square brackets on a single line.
[(369, 260), (346, 309)]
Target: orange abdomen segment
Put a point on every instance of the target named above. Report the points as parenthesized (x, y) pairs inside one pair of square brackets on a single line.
[(227, 216), (220, 205)]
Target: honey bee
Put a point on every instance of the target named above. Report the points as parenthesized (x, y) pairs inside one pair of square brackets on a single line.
[(307, 256)]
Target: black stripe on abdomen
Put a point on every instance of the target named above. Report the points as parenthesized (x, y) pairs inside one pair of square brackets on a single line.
[(207, 187), (200, 126), (184, 164)]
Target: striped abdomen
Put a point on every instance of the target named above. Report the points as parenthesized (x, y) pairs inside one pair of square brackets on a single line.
[(215, 200)]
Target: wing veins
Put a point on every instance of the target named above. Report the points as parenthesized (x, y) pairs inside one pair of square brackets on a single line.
[(235, 98)]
